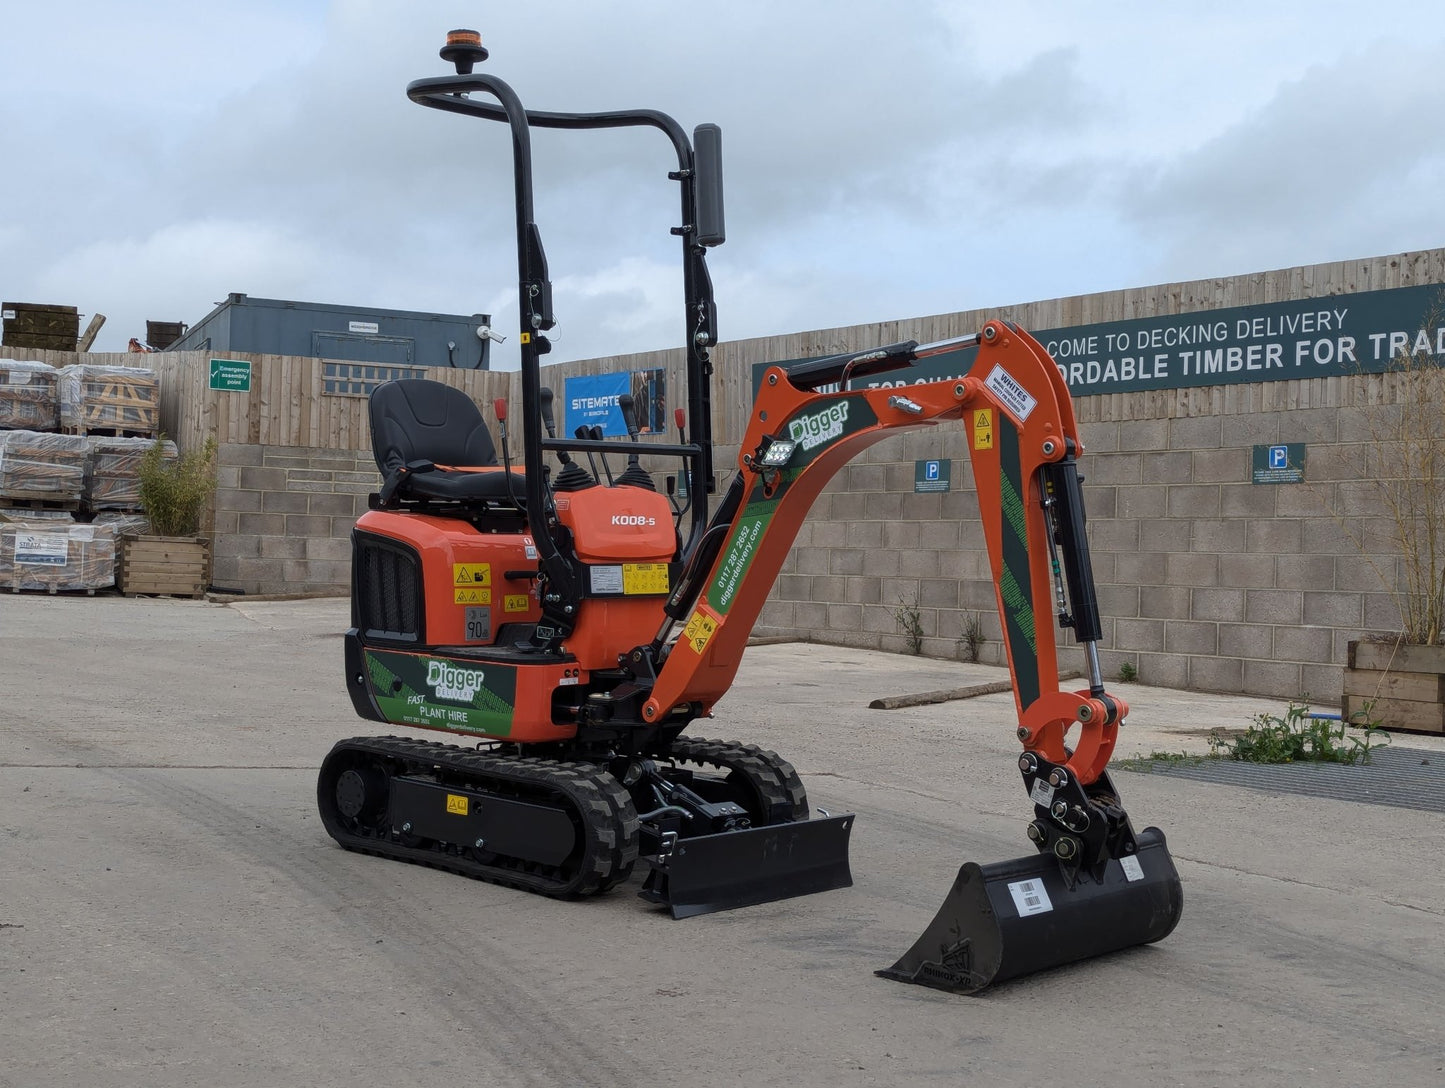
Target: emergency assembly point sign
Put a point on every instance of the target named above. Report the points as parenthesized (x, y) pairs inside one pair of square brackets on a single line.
[(1330, 336)]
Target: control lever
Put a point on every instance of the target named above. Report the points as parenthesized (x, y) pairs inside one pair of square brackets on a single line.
[(680, 418), (548, 422), (499, 406), (573, 476), (595, 433), (633, 475)]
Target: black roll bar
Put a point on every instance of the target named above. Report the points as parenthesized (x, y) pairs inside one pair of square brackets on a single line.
[(449, 93)]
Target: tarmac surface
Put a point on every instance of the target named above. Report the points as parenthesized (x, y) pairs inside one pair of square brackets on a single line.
[(173, 913)]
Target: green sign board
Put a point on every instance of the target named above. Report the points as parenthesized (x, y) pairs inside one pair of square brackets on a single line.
[(932, 475), (1280, 464), (231, 375), (1330, 336)]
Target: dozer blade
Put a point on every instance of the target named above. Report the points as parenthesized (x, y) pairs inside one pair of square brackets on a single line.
[(759, 865), (1012, 918)]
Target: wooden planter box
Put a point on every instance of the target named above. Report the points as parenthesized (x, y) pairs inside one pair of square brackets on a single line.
[(164, 566), (1404, 685)]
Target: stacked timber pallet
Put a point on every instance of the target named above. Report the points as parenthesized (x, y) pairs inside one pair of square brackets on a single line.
[(112, 471), (55, 555), (27, 325), (42, 470), (111, 400), (29, 397)]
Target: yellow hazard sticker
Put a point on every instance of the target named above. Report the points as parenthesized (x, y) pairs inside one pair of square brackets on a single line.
[(645, 578), (983, 429), (698, 630), (526, 338), (515, 602), (471, 574), (472, 596), (456, 804)]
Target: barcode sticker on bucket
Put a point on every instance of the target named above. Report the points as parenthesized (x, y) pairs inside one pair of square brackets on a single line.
[(1132, 869), (1030, 897), (1042, 793)]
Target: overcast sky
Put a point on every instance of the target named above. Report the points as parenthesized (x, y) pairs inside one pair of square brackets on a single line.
[(883, 160)]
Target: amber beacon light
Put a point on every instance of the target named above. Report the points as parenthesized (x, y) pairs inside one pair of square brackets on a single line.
[(464, 49)]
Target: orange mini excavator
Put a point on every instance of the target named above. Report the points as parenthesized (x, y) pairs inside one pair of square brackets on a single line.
[(576, 629)]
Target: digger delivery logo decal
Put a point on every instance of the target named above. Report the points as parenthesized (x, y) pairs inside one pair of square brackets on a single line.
[(812, 431), (450, 682)]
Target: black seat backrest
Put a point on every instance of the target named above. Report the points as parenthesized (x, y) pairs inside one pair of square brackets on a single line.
[(421, 420)]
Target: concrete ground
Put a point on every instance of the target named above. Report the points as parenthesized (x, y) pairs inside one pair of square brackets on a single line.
[(172, 913)]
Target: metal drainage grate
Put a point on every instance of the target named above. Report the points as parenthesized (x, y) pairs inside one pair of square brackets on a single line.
[(1401, 777)]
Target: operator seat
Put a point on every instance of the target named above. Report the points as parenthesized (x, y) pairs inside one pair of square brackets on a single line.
[(425, 435)]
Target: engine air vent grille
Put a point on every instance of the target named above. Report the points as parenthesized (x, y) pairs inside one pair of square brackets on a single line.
[(386, 589)]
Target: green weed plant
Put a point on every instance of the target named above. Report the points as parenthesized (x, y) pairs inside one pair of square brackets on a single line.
[(1298, 737)]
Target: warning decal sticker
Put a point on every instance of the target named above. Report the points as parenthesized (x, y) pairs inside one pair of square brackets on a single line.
[(699, 630), (983, 429), (471, 574)]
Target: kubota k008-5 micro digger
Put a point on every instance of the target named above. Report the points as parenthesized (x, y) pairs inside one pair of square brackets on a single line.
[(579, 628)]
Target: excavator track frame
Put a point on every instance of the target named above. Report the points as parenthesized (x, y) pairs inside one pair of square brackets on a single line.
[(600, 811)]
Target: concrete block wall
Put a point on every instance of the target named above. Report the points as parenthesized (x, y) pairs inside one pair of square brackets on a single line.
[(284, 514), (1206, 580)]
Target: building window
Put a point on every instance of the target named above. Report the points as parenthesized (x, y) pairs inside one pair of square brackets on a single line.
[(359, 379)]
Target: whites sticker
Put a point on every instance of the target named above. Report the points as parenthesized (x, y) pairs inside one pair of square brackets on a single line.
[(1013, 395), (1042, 793), (1132, 869), (1030, 897), (607, 579)]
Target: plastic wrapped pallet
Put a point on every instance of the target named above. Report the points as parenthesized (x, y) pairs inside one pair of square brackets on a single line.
[(109, 398), (36, 467), (44, 554), (11, 513), (112, 471), (122, 525), (29, 399)]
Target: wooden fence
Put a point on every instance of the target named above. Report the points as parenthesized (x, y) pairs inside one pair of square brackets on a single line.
[(287, 404)]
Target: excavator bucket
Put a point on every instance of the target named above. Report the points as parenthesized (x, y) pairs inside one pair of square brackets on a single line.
[(1013, 918), (743, 868)]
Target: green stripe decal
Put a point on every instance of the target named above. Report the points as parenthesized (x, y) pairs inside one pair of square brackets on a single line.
[(1016, 583), (1019, 608)]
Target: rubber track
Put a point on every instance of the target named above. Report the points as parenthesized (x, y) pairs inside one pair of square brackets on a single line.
[(777, 783), (602, 807)]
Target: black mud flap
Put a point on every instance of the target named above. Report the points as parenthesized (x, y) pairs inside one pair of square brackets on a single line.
[(1013, 918), (742, 868)]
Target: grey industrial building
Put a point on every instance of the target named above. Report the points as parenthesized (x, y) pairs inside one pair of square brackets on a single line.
[(363, 334)]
